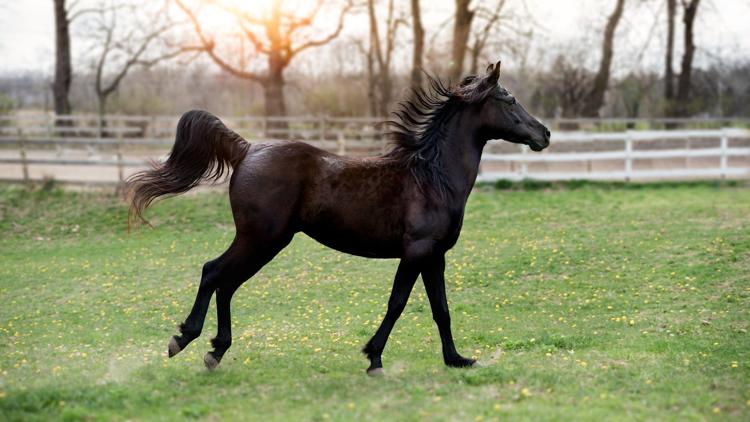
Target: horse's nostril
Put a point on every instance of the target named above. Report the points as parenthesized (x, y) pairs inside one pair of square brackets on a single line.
[(546, 132)]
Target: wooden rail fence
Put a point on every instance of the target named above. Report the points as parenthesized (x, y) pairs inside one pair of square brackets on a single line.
[(598, 149)]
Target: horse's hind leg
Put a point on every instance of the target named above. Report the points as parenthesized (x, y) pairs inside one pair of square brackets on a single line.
[(224, 275), (256, 258), (193, 325)]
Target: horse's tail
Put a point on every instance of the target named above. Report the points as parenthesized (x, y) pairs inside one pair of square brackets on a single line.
[(202, 150)]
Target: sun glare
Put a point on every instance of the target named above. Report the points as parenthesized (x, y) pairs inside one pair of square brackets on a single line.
[(263, 8)]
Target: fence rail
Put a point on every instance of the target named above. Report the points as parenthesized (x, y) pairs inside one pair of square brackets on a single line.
[(629, 154), (34, 146)]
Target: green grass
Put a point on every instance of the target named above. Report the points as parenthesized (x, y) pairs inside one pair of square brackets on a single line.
[(583, 304)]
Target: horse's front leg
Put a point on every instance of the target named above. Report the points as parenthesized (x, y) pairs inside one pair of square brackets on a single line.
[(433, 275), (406, 276)]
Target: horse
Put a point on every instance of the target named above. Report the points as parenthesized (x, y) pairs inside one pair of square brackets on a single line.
[(407, 203)]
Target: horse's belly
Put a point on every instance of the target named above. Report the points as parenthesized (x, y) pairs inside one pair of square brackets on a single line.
[(361, 243)]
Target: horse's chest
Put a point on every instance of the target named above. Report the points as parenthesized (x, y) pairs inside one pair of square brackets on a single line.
[(443, 226)]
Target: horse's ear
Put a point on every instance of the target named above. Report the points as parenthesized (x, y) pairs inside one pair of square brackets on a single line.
[(494, 73), (490, 68)]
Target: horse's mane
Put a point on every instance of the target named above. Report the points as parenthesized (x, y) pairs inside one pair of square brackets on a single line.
[(418, 130)]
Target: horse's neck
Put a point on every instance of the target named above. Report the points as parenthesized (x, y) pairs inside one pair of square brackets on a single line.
[(462, 155)]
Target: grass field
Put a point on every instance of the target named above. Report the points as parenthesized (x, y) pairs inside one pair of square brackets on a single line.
[(582, 304)]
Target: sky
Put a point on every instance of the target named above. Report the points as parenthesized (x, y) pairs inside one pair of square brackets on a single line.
[(722, 30)]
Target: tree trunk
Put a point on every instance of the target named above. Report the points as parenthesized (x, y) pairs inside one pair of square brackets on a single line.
[(102, 113), (273, 91), (416, 67), (385, 92), (274, 96), (475, 52), (371, 83), (381, 58), (684, 82), (63, 72), (595, 99), (461, 31), (669, 70)]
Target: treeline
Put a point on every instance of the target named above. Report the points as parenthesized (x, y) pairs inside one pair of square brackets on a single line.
[(718, 91), (161, 58)]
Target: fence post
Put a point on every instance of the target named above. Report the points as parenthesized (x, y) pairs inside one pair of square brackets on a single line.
[(628, 155), (524, 164), (341, 141), (22, 152), (322, 128), (724, 147)]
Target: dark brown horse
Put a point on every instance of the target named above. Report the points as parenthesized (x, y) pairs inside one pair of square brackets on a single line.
[(407, 204)]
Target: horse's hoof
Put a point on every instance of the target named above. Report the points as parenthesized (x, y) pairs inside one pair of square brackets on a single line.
[(476, 364), (375, 372), (461, 363), (210, 361), (173, 348)]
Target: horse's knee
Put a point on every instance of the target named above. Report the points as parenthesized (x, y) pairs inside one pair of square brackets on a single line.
[(209, 275), (208, 269)]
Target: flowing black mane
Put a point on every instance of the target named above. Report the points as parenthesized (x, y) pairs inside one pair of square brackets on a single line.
[(418, 130)]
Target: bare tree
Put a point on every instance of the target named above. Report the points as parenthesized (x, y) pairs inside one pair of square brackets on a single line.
[(668, 67), (503, 26), (633, 93), (418, 50), (461, 31), (481, 36), (381, 55), (63, 68), (64, 16), (279, 35), (118, 51), (690, 9), (595, 97), (571, 82)]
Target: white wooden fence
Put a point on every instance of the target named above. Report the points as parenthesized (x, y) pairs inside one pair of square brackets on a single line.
[(630, 148), (83, 150)]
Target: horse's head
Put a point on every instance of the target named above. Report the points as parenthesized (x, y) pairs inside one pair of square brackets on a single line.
[(501, 116)]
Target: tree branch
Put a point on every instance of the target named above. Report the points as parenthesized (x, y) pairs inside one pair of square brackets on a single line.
[(327, 39), (208, 46)]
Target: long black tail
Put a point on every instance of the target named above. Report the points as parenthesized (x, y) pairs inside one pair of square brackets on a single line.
[(202, 150)]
